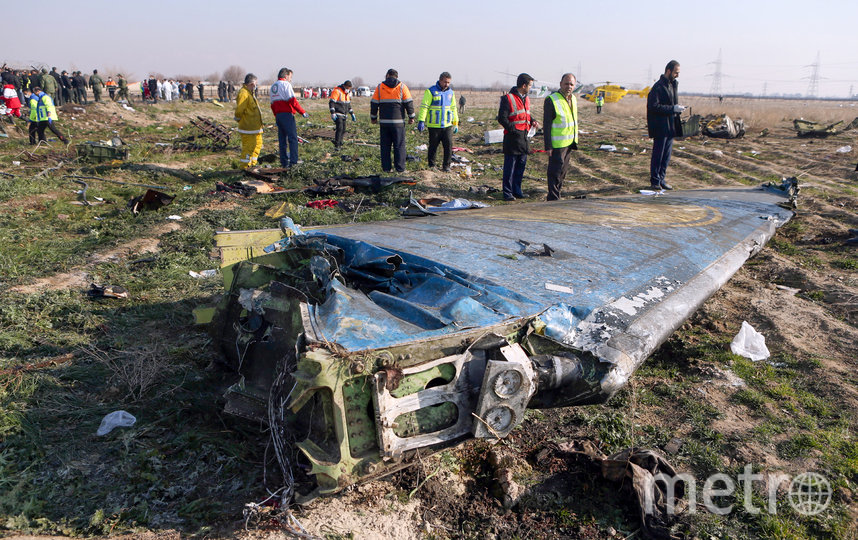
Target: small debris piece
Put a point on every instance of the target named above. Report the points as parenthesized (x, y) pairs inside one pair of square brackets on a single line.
[(213, 136), (151, 200), (114, 420), (107, 291), (673, 446)]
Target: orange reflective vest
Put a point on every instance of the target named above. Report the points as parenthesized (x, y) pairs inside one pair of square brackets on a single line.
[(519, 111)]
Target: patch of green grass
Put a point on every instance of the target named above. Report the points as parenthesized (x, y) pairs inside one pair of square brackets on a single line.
[(845, 264), (784, 246)]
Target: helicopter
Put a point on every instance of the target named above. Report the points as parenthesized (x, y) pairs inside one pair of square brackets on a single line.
[(611, 92)]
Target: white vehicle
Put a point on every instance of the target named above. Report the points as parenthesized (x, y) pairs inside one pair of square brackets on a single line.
[(363, 91)]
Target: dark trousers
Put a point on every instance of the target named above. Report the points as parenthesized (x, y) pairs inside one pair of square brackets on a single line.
[(558, 166), (340, 124), (661, 149), (96, 95), (37, 129), (287, 132), (112, 91), (445, 137), (513, 172), (57, 97), (392, 135), (81, 95)]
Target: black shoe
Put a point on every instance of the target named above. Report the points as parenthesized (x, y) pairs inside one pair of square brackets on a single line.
[(665, 185), (522, 196), (656, 187), (445, 169), (509, 199)]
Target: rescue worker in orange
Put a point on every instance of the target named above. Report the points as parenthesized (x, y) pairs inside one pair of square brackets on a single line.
[(249, 118), (391, 103), (341, 105), (514, 116)]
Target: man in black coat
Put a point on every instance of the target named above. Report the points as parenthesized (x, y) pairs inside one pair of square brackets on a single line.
[(66, 86), (153, 89), (514, 116), (662, 121)]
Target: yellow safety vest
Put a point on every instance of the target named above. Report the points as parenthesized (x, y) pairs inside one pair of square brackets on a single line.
[(564, 128)]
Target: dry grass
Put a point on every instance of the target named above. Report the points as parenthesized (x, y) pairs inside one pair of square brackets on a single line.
[(137, 370)]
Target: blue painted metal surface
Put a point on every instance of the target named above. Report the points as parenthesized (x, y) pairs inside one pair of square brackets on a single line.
[(617, 256)]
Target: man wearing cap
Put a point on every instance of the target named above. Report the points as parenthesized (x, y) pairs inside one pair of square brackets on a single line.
[(514, 116)]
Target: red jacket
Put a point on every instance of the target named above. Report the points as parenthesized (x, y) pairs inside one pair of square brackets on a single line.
[(283, 98)]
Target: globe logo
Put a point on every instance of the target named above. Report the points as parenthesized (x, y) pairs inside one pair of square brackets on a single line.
[(809, 493)]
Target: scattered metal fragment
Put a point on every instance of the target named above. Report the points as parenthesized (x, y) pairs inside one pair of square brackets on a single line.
[(806, 128), (101, 152), (213, 136), (723, 127)]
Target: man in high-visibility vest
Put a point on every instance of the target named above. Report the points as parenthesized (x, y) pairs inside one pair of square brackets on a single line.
[(340, 105), (560, 121), (42, 115), (438, 112), (391, 103), (249, 118), (600, 102), (514, 116)]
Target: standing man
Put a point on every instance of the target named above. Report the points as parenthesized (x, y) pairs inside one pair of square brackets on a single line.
[(600, 102), (438, 111), (189, 90), (49, 86), (230, 90), (200, 89), (111, 88), (66, 86), (341, 105), (153, 88), (663, 123), (390, 104), (561, 115), (514, 116), (462, 101), (284, 105), (123, 87), (97, 85), (58, 95), (80, 88), (249, 118)]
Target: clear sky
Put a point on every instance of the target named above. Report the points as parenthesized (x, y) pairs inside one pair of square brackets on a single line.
[(764, 44)]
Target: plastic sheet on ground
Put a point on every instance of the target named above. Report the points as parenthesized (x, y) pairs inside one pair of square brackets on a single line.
[(750, 343), (114, 420)]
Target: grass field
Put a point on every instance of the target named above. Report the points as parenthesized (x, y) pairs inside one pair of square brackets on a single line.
[(186, 468)]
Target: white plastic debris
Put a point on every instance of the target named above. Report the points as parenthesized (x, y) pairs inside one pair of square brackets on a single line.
[(531, 132), (651, 192), (174, 217), (844, 149), (608, 148), (750, 343), (493, 136), (16, 163), (558, 288), (718, 153), (422, 147), (203, 273), (114, 420), (470, 119), (127, 108)]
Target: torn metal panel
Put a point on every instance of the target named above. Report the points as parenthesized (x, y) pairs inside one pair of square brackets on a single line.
[(394, 337), (723, 127)]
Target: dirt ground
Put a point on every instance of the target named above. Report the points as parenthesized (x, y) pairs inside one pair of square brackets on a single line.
[(801, 292)]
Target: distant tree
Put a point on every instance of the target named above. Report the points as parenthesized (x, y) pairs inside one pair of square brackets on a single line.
[(215, 77), (357, 81), (114, 70), (234, 74), (183, 77)]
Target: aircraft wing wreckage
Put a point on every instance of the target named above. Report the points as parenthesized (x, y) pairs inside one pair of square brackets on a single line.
[(360, 345)]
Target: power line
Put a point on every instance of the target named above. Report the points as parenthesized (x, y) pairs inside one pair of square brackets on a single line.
[(715, 89), (813, 86)]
